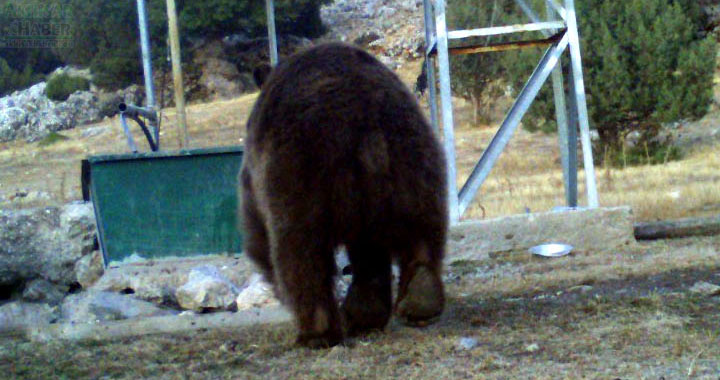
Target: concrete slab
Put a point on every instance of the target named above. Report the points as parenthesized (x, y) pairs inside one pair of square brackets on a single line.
[(590, 230)]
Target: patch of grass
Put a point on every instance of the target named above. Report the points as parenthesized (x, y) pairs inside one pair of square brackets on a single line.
[(52, 138)]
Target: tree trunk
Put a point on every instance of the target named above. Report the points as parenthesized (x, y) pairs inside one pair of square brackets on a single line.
[(669, 229)]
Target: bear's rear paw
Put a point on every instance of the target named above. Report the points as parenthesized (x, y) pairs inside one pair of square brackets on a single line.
[(423, 300), (367, 307), (326, 340)]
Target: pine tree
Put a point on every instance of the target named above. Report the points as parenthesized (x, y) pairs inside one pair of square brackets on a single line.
[(646, 62)]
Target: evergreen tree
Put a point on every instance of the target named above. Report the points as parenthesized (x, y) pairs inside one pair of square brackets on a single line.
[(646, 62)]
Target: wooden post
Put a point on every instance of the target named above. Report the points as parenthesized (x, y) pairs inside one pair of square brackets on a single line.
[(177, 70)]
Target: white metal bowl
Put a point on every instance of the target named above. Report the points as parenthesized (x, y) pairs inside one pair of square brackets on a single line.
[(551, 249)]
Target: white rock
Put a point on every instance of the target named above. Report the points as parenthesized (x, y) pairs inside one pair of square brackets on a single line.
[(467, 343), (257, 293), (206, 288), (532, 347), (706, 289)]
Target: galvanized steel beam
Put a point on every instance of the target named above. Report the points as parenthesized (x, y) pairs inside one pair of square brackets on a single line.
[(581, 103), (272, 38), (447, 112), (509, 125)]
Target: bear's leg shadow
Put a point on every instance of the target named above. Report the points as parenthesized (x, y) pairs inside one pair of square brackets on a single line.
[(304, 266), (421, 296), (368, 304)]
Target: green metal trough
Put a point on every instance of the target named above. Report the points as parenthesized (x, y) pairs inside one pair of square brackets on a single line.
[(162, 204)]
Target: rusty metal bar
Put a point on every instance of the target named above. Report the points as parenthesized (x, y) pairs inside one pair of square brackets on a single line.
[(504, 46)]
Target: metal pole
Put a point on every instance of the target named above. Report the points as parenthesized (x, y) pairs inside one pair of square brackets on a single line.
[(270, 10), (567, 158), (512, 120), (146, 57), (429, 65), (447, 112), (572, 128), (177, 70), (579, 86)]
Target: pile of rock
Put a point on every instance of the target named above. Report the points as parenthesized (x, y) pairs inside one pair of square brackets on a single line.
[(29, 114), (393, 30)]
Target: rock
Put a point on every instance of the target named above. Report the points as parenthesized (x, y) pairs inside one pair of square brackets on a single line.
[(108, 103), (30, 197), (220, 79), (367, 37), (97, 306), (89, 269), (11, 119), (257, 293), (532, 347), (207, 288), (17, 315), (81, 108), (580, 288), (133, 94), (44, 243), (466, 343), (706, 289), (43, 291), (158, 281), (94, 131)]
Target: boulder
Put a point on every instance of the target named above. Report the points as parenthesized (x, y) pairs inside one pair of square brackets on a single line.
[(89, 269), (44, 243), (40, 290), (205, 289), (220, 79), (257, 293), (98, 306), (18, 315), (11, 119)]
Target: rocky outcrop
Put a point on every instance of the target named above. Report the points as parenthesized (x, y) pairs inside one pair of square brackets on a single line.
[(29, 114), (373, 24)]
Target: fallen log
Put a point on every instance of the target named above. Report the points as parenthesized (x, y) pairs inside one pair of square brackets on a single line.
[(669, 229)]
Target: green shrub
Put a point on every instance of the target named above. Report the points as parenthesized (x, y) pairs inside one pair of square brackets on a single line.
[(52, 138), (645, 63), (11, 80), (61, 86)]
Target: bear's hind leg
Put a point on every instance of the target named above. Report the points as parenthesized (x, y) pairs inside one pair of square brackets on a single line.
[(421, 296), (256, 238), (368, 304), (304, 270)]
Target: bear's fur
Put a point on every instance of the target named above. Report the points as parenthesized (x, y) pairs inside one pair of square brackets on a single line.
[(338, 153)]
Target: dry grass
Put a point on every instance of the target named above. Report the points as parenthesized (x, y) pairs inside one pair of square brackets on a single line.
[(639, 322), (527, 175)]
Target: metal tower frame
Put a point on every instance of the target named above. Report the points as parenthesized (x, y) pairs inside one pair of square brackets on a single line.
[(560, 34)]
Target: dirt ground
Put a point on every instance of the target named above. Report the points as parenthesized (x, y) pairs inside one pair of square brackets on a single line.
[(628, 315)]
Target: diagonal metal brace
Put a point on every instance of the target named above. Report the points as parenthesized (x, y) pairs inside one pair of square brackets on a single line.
[(511, 122)]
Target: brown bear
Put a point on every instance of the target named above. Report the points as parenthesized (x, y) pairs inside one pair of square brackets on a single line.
[(338, 153)]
